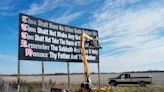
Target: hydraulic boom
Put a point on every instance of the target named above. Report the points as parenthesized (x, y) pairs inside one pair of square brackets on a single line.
[(87, 85)]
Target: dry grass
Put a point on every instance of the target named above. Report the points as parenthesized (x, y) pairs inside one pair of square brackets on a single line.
[(76, 79), (37, 87), (33, 83), (151, 88)]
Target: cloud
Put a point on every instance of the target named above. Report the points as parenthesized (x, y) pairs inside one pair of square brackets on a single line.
[(44, 6), (67, 17), (50, 5), (130, 33), (8, 7), (131, 61), (137, 25)]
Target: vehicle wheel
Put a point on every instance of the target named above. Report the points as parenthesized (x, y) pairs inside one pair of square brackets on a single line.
[(142, 84), (113, 83)]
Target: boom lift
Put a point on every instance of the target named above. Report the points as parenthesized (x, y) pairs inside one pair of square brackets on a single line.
[(87, 85)]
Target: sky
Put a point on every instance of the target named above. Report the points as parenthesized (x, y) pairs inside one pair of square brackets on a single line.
[(131, 33)]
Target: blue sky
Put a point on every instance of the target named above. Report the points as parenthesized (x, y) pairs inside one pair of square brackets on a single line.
[(131, 32)]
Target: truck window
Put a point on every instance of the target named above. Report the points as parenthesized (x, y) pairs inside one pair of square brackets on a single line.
[(122, 76), (127, 75)]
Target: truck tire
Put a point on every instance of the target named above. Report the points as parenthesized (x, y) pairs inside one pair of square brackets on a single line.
[(113, 83), (142, 84)]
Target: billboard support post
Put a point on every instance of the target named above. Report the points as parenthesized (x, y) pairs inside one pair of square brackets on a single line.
[(69, 85), (42, 76), (18, 89), (99, 74)]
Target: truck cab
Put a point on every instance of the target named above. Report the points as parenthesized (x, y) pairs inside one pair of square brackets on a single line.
[(124, 76)]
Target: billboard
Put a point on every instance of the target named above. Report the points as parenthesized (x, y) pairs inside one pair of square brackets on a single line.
[(42, 40)]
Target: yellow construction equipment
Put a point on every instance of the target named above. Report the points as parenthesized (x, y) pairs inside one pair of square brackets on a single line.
[(87, 86)]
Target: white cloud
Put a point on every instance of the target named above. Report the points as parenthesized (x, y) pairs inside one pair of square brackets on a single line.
[(6, 5), (132, 60), (45, 6), (8, 8), (129, 27), (49, 5), (66, 18)]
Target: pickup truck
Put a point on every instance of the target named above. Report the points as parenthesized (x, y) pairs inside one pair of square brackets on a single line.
[(126, 78)]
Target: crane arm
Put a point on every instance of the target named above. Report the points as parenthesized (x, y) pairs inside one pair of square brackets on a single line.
[(83, 38)]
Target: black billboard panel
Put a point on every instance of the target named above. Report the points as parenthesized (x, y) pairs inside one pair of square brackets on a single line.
[(42, 40)]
